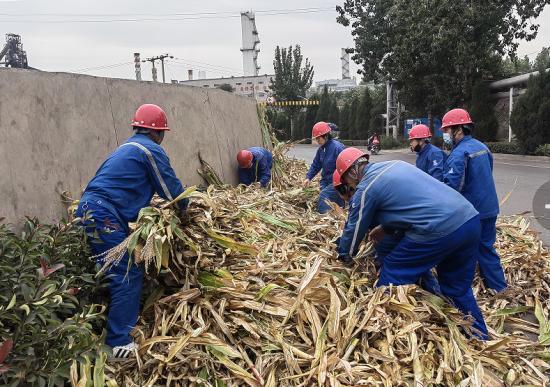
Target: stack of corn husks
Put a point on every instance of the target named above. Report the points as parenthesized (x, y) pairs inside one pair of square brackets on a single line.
[(262, 301)]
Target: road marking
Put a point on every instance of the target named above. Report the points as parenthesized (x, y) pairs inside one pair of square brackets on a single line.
[(523, 165)]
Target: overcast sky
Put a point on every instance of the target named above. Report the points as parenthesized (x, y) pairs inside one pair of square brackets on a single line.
[(208, 42)]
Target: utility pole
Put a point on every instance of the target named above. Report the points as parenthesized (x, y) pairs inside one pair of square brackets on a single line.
[(154, 69), (137, 64)]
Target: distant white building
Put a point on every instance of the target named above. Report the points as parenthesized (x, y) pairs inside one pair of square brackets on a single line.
[(336, 85), (257, 87)]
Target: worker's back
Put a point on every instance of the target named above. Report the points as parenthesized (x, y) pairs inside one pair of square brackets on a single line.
[(129, 177), (404, 197), (469, 170)]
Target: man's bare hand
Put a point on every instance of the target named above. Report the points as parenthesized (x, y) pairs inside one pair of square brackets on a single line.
[(305, 183), (377, 234)]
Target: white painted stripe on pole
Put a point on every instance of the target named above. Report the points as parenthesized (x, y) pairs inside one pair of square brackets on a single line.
[(547, 206), (155, 168)]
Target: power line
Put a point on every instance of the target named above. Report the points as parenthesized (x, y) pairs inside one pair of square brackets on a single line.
[(212, 70), (161, 14), (207, 66), (104, 67), (160, 19)]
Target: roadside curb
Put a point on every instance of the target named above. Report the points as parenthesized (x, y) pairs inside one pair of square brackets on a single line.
[(504, 156)]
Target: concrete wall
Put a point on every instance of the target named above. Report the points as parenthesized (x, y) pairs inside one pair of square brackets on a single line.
[(56, 129)]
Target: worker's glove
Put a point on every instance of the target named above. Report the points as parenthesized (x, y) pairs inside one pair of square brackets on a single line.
[(346, 260)]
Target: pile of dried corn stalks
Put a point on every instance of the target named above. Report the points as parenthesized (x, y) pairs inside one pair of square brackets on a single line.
[(262, 302)]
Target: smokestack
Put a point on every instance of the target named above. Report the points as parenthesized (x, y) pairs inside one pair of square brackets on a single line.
[(137, 64), (190, 75), (345, 64)]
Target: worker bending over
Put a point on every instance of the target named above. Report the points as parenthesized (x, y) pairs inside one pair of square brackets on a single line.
[(122, 186), (255, 165), (383, 247), (396, 195)]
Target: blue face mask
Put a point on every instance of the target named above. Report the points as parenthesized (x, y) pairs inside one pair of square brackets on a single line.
[(447, 138)]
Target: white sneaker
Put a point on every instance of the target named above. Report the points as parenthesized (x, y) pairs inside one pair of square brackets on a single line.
[(124, 352)]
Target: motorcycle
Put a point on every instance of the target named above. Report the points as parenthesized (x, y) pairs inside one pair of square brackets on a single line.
[(374, 148)]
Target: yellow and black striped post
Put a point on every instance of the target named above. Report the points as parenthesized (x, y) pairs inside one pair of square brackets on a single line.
[(291, 103)]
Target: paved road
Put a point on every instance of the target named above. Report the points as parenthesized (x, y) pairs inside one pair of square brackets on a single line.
[(511, 173)]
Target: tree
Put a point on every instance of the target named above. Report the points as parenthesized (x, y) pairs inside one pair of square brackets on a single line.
[(324, 106), (280, 122), (378, 108), (334, 113), (310, 115), (292, 80), (531, 115), (363, 116), (516, 66), (435, 58), (226, 87), (542, 61), (344, 121), (352, 118), (481, 108)]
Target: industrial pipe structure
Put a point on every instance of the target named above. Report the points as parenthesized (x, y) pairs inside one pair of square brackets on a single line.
[(511, 87)]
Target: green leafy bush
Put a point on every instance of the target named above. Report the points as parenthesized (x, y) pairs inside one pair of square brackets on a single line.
[(511, 148), (543, 150), (47, 317), (392, 143), (531, 115)]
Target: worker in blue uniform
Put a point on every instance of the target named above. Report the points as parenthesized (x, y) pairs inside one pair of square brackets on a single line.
[(383, 247), (396, 195), (122, 186), (429, 158), (469, 170), (255, 166), (325, 162)]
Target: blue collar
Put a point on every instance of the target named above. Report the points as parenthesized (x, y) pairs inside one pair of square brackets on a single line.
[(465, 138), (424, 148)]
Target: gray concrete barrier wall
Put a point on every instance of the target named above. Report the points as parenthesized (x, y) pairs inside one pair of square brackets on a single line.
[(56, 129)]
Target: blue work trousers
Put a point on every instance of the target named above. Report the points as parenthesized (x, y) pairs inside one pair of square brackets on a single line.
[(125, 282), (454, 257), (383, 248), (489, 262), (328, 194)]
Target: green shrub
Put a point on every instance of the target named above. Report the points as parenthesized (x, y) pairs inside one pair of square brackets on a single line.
[(531, 115), (46, 308), (392, 143), (511, 148), (482, 110), (543, 150)]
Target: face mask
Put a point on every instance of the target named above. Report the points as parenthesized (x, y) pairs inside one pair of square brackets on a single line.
[(447, 138)]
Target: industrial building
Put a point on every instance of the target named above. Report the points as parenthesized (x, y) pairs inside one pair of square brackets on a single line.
[(254, 86)]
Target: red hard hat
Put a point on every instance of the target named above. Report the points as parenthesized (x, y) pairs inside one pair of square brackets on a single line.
[(336, 180), (456, 117), (150, 116), (347, 157), (419, 131), (319, 129), (244, 158)]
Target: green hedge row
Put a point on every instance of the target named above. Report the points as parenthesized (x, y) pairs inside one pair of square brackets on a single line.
[(511, 148)]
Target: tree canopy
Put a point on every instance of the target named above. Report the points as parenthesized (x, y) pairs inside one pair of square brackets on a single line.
[(436, 50)]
